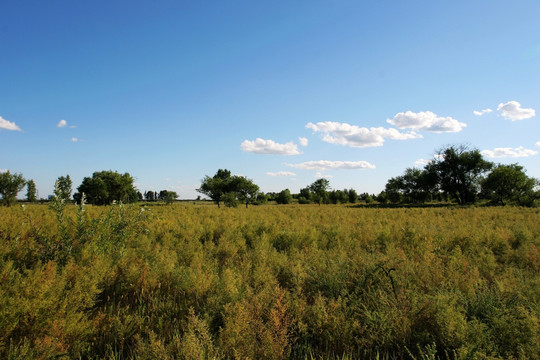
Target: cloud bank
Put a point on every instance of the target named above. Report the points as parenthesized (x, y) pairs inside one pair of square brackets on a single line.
[(261, 146), (8, 125), (322, 165), (512, 110), (358, 137), (426, 121), (509, 152)]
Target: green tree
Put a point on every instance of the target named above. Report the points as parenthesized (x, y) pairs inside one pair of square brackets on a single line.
[(62, 188), (414, 186), (353, 195), (459, 171), (10, 185), (284, 197), (245, 189), (218, 185), (320, 190), (31, 191), (107, 186), (168, 196), (508, 183)]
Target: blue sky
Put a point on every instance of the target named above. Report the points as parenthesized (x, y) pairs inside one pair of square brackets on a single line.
[(282, 92)]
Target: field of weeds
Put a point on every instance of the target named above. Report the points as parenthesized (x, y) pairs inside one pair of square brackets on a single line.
[(269, 282)]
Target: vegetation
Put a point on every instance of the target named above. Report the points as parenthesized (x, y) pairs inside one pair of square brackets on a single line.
[(63, 188), (229, 189), (106, 187), (31, 191), (269, 282), (10, 185)]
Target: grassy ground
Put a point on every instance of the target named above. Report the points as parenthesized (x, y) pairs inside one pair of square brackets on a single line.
[(269, 282)]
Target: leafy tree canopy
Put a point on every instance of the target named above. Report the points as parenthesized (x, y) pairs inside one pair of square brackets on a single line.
[(10, 186), (107, 186), (509, 183)]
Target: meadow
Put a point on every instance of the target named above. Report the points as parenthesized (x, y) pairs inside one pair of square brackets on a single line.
[(192, 281)]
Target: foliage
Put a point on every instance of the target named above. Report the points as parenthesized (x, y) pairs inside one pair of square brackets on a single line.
[(215, 187), (63, 188), (284, 197), (10, 186), (106, 187), (276, 282), (414, 186), (222, 186), (319, 189), (31, 191), (168, 196), (459, 172), (509, 183), (246, 191)]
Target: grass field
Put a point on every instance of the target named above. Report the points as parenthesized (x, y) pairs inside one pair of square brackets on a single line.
[(269, 282)]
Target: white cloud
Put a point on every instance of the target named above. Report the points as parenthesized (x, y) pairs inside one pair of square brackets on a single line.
[(303, 141), (281, 173), (512, 111), (261, 146), (74, 139), (509, 152), (422, 162), (355, 136), (61, 123), (8, 125), (482, 112), (322, 165), (3, 170), (426, 121), (537, 144), (320, 175)]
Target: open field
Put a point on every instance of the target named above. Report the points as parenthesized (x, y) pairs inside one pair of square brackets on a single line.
[(269, 282)]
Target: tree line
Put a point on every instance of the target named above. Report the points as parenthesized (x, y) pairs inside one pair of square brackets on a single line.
[(456, 173)]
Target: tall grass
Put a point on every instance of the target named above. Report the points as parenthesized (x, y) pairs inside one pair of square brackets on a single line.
[(269, 282)]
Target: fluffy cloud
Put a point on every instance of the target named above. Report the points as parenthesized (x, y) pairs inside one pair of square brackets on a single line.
[(319, 175), (482, 112), (61, 124), (281, 173), (8, 125), (74, 139), (426, 121), (303, 141), (261, 146), (509, 152), (359, 137), (322, 165), (537, 144), (422, 162), (512, 110)]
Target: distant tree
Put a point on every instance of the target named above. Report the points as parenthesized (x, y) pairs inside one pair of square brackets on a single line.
[(246, 191), (168, 196), (62, 188), (149, 196), (261, 198), (10, 186), (414, 186), (382, 197), (31, 191), (107, 186), (320, 190), (284, 197), (459, 172), (338, 196), (218, 185), (352, 195), (140, 196), (305, 196), (229, 199), (509, 183)]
